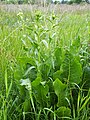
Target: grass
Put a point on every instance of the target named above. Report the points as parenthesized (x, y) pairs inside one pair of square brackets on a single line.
[(44, 65)]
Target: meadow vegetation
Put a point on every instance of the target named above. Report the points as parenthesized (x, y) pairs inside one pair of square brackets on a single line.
[(44, 65)]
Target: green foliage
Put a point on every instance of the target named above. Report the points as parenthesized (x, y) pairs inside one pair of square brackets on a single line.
[(63, 112), (44, 66), (78, 1)]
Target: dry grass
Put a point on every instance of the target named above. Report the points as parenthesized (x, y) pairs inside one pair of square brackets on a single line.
[(60, 8)]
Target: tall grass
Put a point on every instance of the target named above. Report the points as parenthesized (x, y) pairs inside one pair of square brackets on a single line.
[(45, 65)]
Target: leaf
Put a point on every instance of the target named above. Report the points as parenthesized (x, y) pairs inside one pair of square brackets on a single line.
[(26, 105), (60, 90), (86, 77), (9, 89), (76, 45), (24, 60), (72, 70), (45, 69), (58, 56), (59, 86), (37, 81), (57, 74), (63, 112), (40, 93)]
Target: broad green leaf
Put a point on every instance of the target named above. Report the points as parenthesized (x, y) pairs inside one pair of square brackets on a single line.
[(86, 77), (26, 105), (60, 90), (63, 112), (72, 70), (40, 93), (36, 81), (24, 60), (45, 69), (57, 74), (58, 55), (59, 86)]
